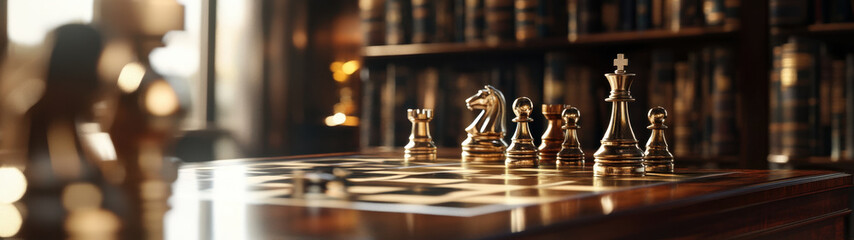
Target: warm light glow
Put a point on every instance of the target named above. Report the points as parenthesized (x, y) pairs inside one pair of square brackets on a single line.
[(350, 67), (25, 95), (78, 196), (13, 184), (61, 145), (607, 204), (10, 220), (336, 119), (340, 76), (30, 21), (131, 76), (335, 66), (160, 99), (116, 55), (94, 223)]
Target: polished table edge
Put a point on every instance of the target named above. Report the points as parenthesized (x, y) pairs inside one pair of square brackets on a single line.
[(748, 187)]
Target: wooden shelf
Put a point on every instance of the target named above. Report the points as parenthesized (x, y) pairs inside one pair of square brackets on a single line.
[(658, 36), (817, 29)]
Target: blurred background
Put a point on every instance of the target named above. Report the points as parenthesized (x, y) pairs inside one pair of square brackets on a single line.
[(270, 78), (747, 84)]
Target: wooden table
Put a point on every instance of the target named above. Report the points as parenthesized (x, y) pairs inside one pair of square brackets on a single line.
[(393, 199)]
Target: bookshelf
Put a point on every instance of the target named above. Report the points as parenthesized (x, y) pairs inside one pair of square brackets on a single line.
[(748, 43), (657, 36)]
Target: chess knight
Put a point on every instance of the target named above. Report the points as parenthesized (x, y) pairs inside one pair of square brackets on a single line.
[(619, 153), (485, 141)]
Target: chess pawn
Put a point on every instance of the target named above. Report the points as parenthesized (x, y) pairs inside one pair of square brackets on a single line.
[(570, 153), (619, 154), (420, 146), (657, 158), (522, 152), (553, 136)]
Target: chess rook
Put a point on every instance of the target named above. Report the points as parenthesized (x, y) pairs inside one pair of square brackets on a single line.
[(570, 153), (553, 136), (485, 141), (619, 154), (522, 152), (657, 158), (420, 146)]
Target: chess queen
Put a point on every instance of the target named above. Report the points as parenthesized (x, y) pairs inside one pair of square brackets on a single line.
[(485, 141)]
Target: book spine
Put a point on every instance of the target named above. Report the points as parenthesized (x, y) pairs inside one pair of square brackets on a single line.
[(387, 114), (838, 123), (475, 22), (398, 21), (460, 20), (573, 19), (372, 15), (499, 20), (555, 77), (713, 12), (849, 105), (824, 104), (656, 14), (682, 108), (776, 115), (821, 11), (661, 87), (731, 14), (628, 10), (444, 12), (788, 13), (373, 79), (552, 18), (673, 14), (724, 138), (706, 103), (526, 15), (398, 95), (610, 15), (423, 21), (662, 77), (690, 13), (796, 83), (643, 15), (840, 11)]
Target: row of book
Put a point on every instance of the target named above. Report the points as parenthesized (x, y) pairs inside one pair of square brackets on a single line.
[(811, 101), (392, 22), (795, 13), (696, 88)]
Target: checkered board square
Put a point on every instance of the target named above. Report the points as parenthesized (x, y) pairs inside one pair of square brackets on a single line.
[(443, 187)]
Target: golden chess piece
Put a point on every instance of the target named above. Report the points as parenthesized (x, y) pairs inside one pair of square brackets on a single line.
[(657, 158), (553, 136), (485, 141), (619, 153), (420, 146), (522, 152), (570, 153)]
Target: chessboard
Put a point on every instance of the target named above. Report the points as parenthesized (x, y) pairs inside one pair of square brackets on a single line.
[(445, 187)]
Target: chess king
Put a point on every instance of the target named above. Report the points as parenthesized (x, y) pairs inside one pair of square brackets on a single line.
[(619, 154), (485, 141)]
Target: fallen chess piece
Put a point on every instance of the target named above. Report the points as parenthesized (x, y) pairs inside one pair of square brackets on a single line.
[(657, 158), (420, 146), (320, 185), (570, 153), (522, 152)]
